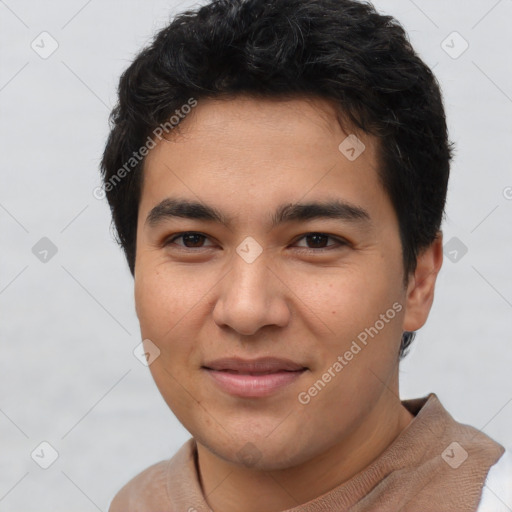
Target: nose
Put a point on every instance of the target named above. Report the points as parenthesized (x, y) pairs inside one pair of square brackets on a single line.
[(251, 296)]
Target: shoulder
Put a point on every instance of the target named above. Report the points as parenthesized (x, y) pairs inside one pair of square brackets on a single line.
[(163, 487), (497, 491), (145, 492)]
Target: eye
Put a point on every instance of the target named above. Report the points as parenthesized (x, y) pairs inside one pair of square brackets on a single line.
[(319, 240), (191, 240), (195, 240)]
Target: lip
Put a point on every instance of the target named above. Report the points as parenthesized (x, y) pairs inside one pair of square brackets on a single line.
[(253, 378), (260, 365)]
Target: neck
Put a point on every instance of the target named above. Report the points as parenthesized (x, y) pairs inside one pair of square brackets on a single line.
[(231, 488)]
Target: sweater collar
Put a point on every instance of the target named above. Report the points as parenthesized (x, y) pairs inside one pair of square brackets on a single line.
[(434, 462)]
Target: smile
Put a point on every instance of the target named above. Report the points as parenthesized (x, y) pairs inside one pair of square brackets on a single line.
[(253, 378)]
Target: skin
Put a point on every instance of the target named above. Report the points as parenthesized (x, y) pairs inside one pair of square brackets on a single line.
[(198, 301)]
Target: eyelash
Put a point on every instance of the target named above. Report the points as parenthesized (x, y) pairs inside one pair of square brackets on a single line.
[(339, 242)]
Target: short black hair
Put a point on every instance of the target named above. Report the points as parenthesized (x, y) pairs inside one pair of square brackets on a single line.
[(343, 51)]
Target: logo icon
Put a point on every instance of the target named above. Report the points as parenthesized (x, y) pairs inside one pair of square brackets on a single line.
[(454, 455), (249, 454), (44, 45), (351, 147), (44, 250), (454, 45), (249, 249), (44, 455), (146, 352), (455, 249)]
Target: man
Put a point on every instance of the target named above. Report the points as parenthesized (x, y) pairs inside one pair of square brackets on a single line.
[(277, 175)]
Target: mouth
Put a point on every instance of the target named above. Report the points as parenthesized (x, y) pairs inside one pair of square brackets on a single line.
[(237, 372), (253, 378)]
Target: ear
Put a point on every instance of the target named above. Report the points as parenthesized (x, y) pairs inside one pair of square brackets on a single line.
[(420, 289)]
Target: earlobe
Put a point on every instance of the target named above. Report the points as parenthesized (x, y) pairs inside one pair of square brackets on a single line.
[(420, 290)]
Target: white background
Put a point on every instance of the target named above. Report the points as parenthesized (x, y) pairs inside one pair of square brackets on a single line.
[(68, 327)]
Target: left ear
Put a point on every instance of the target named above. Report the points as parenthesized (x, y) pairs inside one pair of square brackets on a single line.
[(420, 289)]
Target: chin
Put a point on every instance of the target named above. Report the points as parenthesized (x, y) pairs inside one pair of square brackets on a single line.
[(259, 452)]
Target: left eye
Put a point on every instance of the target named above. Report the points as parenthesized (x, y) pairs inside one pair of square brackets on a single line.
[(320, 239)]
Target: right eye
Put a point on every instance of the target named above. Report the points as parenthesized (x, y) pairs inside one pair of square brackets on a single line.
[(191, 240)]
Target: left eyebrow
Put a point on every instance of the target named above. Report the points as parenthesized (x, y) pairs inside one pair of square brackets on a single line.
[(333, 209), (290, 212)]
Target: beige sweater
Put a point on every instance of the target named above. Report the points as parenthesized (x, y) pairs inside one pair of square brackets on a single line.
[(422, 470)]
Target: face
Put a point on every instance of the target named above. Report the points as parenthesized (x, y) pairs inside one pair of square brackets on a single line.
[(261, 243)]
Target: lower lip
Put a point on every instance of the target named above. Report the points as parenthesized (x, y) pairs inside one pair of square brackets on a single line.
[(252, 386)]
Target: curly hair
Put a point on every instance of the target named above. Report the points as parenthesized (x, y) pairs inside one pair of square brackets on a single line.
[(343, 51)]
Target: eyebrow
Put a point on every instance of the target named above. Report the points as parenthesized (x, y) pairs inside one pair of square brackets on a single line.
[(290, 212)]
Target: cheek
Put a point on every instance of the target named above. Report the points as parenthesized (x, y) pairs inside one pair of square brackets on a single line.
[(154, 309), (164, 299), (363, 309), (165, 312), (171, 304), (347, 300)]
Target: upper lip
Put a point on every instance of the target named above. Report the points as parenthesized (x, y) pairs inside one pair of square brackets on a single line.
[(261, 365)]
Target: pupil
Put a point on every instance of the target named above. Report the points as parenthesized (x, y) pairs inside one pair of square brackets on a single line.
[(193, 236), (316, 237)]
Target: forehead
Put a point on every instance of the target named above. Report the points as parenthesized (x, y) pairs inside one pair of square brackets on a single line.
[(230, 151), (301, 119)]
